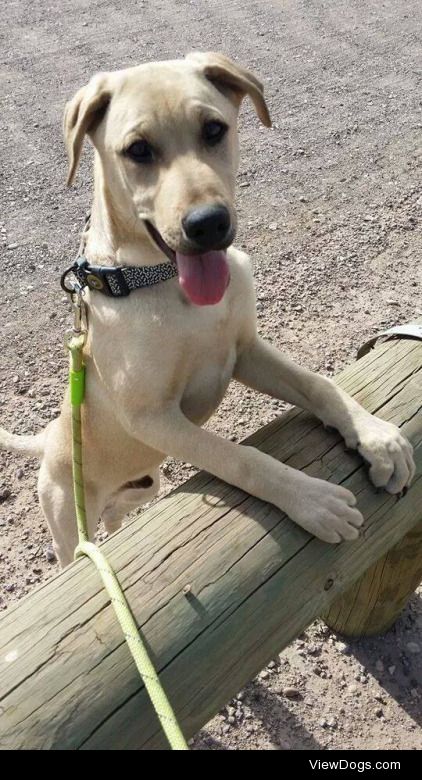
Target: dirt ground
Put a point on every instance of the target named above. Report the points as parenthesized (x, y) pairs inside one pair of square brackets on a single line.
[(330, 210)]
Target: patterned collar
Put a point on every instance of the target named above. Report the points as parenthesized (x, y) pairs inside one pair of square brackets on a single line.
[(117, 281)]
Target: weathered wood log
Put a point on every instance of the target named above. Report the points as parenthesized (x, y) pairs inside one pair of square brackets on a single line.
[(218, 582), (374, 602)]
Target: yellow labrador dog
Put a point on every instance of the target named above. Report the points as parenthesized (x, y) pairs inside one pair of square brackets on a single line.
[(159, 359)]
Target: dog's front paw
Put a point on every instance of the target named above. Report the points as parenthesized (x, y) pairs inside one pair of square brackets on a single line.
[(388, 453), (327, 511)]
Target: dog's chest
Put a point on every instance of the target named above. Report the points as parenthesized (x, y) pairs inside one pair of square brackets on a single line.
[(168, 350), (204, 360), (207, 383)]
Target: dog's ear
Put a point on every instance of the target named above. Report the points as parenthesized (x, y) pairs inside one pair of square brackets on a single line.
[(82, 115), (233, 80)]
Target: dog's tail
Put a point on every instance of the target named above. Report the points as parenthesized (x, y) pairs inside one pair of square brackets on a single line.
[(27, 445)]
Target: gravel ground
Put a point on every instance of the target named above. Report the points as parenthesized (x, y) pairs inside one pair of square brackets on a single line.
[(330, 210)]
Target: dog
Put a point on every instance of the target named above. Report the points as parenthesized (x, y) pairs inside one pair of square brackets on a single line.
[(159, 360)]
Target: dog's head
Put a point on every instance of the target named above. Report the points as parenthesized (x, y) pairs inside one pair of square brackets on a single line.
[(166, 138)]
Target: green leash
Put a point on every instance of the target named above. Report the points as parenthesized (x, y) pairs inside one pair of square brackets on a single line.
[(121, 607)]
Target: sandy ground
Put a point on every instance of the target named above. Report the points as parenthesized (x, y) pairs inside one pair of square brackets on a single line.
[(330, 210)]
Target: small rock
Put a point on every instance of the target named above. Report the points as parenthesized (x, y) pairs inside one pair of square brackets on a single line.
[(378, 712), (244, 184), (379, 666), (10, 588), (50, 554), (342, 647), (273, 226), (291, 693), (391, 669), (413, 648), (20, 473), (5, 493), (393, 302), (12, 246), (264, 675)]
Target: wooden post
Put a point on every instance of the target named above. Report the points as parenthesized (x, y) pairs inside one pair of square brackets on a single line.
[(218, 582), (375, 601)]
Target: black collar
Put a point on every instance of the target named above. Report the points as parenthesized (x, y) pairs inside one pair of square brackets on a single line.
[(117, 281)]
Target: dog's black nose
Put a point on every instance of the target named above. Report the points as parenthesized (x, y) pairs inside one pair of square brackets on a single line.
[(208, 227)]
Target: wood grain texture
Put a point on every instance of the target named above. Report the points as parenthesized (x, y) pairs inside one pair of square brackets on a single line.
[(256, 581), (374, 602)]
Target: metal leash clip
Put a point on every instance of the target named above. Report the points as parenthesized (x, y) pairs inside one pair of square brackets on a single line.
[(80, 325), (79, 310)]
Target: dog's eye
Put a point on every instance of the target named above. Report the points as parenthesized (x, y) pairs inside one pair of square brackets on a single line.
[(140, 152), (213, 132)]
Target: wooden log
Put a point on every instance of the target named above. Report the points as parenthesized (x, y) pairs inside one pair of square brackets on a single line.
[(374, 602), (219, 582)]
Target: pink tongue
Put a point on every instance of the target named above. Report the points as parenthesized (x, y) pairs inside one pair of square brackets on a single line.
[(203, 278)]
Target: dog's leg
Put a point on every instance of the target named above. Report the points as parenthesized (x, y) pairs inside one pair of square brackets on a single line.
[(323, 509), (58, 504), (128, 499), (380, 443), (113, 515)]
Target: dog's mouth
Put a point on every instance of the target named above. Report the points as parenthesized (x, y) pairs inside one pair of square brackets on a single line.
[(203, 277)]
